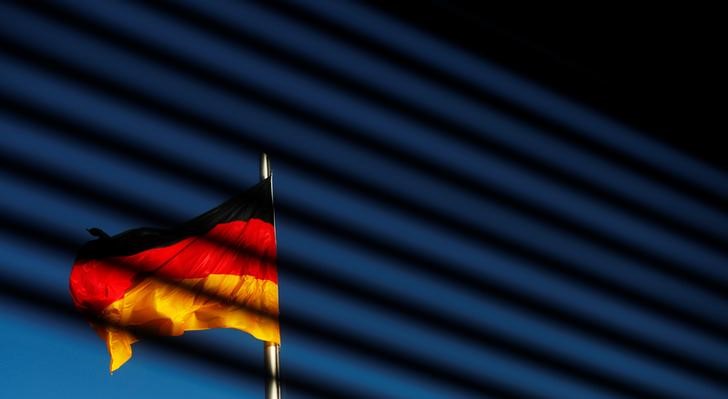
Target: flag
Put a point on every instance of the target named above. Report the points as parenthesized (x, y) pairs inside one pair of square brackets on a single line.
[(214, 271)]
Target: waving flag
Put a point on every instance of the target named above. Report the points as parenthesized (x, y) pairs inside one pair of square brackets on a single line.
[(214, 271)]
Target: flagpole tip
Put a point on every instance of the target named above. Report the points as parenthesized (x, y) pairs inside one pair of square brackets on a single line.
[(264, 166)]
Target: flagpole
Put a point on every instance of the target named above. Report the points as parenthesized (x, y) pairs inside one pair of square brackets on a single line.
[(271, 350)]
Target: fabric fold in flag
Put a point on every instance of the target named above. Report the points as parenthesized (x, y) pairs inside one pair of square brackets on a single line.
[(214, 271)]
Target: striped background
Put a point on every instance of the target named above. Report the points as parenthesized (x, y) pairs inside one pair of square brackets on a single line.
[(447, 226)]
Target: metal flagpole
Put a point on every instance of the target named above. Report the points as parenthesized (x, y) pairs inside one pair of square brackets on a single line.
[(271, 351)]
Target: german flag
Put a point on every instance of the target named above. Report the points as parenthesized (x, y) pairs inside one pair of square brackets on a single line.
[(214, 271)]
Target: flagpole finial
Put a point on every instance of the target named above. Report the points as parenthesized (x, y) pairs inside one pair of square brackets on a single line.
[(264, 166)]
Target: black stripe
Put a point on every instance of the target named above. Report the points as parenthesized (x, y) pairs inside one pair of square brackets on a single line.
[(254, 203)]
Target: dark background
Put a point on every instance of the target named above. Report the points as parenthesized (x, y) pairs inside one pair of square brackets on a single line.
[(659, 68)]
